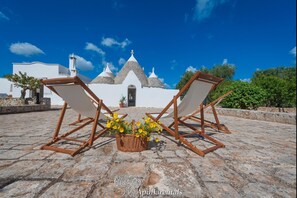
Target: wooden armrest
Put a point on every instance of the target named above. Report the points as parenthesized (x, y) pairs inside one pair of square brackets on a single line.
[(157, 113)]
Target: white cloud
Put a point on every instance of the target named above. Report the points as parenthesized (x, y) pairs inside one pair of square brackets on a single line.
[(191, 69), (246, 80), (122, 61), (83, 64), (293, 51), (92, 47), (225, 61), (3, 17), (110, 42), (25, 49), (204, 8)]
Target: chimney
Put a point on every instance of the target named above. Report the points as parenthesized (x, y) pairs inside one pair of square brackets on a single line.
[(72, 67)]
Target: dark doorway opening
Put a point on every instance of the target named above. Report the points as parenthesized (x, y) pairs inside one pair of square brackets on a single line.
[(131, 96)]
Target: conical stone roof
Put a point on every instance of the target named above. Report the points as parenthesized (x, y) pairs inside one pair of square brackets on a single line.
[(154, 81), (131, 65), (103, 78)]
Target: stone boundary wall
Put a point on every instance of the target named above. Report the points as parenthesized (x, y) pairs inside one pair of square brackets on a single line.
[(286, 118), (276, 109), (45, 105)]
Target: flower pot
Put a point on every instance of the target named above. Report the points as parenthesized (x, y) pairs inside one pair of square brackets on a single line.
[(131, 143), (122, 105)]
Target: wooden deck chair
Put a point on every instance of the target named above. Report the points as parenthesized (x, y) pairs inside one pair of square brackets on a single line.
[(82, 100), (217, 125), (198, 88)]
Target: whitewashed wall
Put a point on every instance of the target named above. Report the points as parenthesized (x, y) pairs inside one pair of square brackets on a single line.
[(5, 86), (111, 94), (155, 97), (145, 97), (41, 70)]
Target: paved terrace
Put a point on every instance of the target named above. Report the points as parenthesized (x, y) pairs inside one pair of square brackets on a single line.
[(259, 161)]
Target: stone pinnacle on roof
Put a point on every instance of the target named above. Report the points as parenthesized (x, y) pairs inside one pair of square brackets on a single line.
[(108, 71), (132, 58), (154, 81), (153, 75), (131, 65)]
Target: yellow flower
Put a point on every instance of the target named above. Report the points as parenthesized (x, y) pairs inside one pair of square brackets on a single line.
[(108, 125), (156, 139), (140, 130), (114, 127), (137, 135), (152, 125), (121, 130), (147, 120), (115, 115), (117, 120), (138, 124)]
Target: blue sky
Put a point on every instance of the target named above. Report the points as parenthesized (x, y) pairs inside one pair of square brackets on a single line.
[(170, 35)]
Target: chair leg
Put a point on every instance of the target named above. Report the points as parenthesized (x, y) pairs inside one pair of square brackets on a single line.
[(60, 121), (202, 118), (79, 120), (220, 126), (95, 123), (175, 119)]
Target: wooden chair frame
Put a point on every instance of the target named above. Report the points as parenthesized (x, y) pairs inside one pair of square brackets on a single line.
[(179, 120), (86, 121)]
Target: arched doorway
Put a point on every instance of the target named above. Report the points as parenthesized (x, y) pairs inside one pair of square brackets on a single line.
[(131, 96)]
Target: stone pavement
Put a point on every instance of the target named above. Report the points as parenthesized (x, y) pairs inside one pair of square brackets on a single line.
[(259, 161)]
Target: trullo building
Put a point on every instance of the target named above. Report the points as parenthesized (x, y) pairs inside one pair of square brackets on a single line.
[(132, 83)]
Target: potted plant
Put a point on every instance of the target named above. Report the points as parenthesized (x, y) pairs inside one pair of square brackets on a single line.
[(122, 101), (133, 136)]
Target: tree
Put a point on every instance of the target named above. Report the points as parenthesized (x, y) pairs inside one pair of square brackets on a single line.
[(24, 81), (225, 71), (282, 72), (280, 83)]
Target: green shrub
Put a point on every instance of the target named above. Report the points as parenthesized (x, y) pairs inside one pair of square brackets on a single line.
[(280, 84), (244, 96)]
